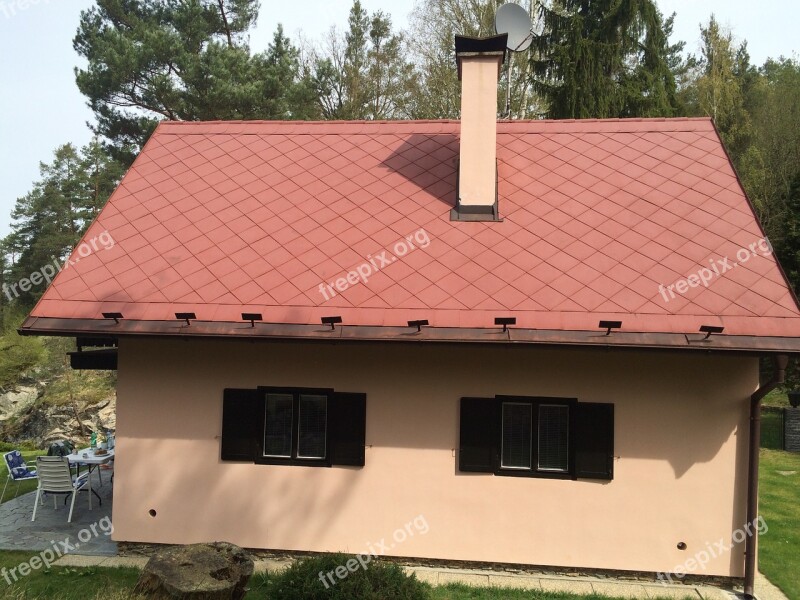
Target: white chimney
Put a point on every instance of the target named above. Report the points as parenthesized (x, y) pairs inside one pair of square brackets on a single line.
[(479, 61)]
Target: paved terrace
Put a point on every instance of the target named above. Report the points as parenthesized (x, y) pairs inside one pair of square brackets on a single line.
[(18, 532)]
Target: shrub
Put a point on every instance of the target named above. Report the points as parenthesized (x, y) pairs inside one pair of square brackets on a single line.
[(26, 446), (377, 581)]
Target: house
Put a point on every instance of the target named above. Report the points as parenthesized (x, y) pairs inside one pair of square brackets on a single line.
[(326, 330)]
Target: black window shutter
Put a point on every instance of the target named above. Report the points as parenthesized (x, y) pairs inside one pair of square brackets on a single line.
[(347, 429), (242, 424), (479, 442), (594, 441)]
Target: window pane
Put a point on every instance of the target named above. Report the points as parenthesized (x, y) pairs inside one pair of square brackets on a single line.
[(278, 425), (516, 435), (553, 437), (313, 417)]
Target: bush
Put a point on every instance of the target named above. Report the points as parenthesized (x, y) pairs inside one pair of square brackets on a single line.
[(377, 581), (26, 446)]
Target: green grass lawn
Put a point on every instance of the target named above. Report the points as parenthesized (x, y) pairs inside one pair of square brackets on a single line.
[(779, 504), (65, 583), (772, 430), (116, 584), (776, 397)]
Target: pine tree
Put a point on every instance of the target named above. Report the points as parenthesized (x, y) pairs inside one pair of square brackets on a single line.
[(604, 58), (49, 220), (181, 60)]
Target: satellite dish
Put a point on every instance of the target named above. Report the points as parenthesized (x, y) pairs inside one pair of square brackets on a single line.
[(514, 20)]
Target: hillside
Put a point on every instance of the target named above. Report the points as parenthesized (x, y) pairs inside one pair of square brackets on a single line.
[(43, 400)]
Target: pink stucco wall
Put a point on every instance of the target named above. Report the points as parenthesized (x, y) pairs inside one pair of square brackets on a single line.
[(681, 439)]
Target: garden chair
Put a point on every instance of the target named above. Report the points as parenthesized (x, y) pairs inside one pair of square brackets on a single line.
[(56, 478), (17, 470)]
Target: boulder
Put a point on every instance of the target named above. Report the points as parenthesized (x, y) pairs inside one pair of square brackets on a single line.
[(17, 400), (216, 571)]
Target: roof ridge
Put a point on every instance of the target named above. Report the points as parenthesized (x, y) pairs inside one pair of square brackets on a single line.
[(426, 121)]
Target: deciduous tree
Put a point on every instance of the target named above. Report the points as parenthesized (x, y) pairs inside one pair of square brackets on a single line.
[(363, 73)]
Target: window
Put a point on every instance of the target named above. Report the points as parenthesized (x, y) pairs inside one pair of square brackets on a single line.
[(278, 425), (312, 426), (553, 438), (537, 437), (293, 426), (517, 419)]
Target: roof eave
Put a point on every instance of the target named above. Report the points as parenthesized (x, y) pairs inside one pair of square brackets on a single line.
[(741, 344)]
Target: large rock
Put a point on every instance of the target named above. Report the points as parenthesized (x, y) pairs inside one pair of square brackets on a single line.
[(17, 400), (217, 571)]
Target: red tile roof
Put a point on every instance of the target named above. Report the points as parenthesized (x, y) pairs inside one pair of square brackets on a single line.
[(229, 217)]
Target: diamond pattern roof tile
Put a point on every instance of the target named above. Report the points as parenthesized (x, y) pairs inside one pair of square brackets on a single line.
[(601, 219)]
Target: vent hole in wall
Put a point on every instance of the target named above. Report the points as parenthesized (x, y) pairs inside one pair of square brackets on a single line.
[(681, 545), (151, 512)]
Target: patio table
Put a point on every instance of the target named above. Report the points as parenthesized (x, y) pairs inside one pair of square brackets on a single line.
[(92, 461)]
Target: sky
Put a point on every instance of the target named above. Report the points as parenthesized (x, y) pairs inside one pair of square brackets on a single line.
[(41, 108)]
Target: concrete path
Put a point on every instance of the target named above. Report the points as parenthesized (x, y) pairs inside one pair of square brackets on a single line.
[(765, 590), (50, 530), (442, 576)]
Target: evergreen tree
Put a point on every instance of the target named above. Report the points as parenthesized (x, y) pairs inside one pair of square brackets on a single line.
[(181, 60), (50, 219), (605, 58)]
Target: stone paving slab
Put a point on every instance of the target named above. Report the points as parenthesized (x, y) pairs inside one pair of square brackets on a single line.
[(83, 560), (271, 564), (765, 590), (678, 592), (18, 532), (620, 590), (568, 585), (515, 581)]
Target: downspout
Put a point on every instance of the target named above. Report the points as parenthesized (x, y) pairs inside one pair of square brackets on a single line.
[(778, 377)]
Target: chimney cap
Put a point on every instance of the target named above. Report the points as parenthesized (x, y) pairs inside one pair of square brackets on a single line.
[(467, 47)]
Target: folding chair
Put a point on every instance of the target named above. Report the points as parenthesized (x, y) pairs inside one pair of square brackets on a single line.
[(56, 478), (17, 470)]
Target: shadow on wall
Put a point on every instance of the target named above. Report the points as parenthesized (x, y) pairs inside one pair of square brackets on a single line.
[(263, 511), (668, 407), (429, 162)]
